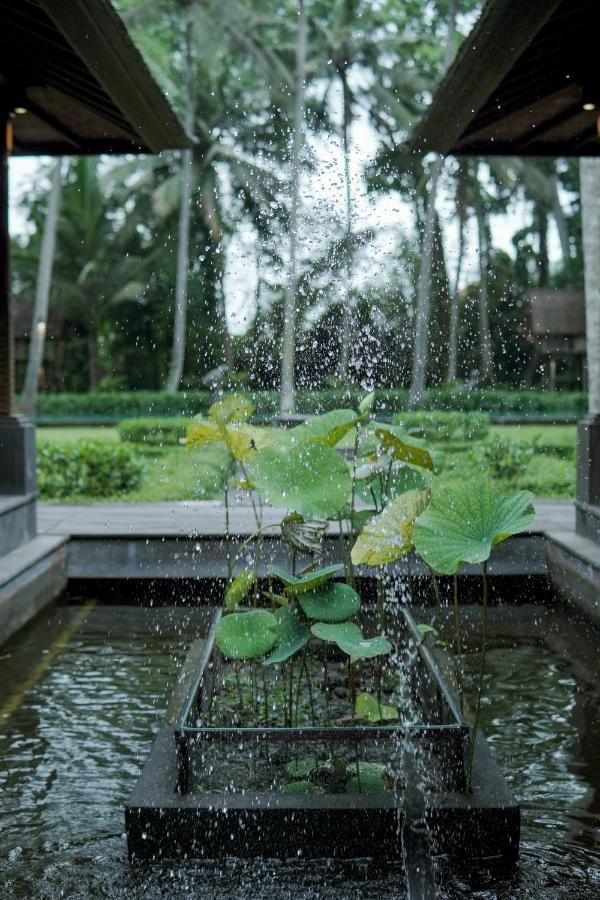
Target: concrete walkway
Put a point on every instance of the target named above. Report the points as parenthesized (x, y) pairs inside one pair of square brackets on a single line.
[(206, 518)]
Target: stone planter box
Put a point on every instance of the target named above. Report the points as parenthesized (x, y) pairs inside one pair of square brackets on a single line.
[(167, 818)]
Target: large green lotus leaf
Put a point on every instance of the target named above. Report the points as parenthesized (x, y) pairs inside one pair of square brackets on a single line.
[(351, 641), (462, 525), (234, 408), (292, 634), (334, 603), (328, 428), (309, 582), (388, 536), (247, 634), (368, 707), (308, 478), (368, 781), (402, 479), (239, 587)]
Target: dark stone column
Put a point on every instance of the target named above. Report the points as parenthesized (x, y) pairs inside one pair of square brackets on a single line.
[(588, 477), (6, 342), (17, 455)]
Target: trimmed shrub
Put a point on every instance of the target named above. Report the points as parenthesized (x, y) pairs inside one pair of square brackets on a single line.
[(548, 476), (123, 404), (129, 404), (153, 432), (439, 425), (87, 469), (505, 459)]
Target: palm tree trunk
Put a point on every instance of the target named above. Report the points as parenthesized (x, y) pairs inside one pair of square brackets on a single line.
[(93, 361), (485, 337), (562, 224), (589, 177), (421, 345), (347, 310), (453, 335), (541, 222), (288, 346), (35, 356), (181, 277)]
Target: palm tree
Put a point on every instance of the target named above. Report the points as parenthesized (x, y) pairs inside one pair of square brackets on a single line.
[(39, 318), (288, 347), (421, 340), (183, 231), (461, 213), (100, 258)]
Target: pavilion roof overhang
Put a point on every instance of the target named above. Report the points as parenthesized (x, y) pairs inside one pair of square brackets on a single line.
[(518, 84), (85, 88)]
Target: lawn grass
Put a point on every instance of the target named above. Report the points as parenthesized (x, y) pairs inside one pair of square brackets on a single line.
[(173, 473)]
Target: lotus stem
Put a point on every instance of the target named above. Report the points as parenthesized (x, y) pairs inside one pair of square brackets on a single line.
[(481, 677), (436, 588), (458, 642), (351, 686), (298, 685), (290, 693), (265, 696), (381, 603), (239, 690), (310, 691), (326, 685)]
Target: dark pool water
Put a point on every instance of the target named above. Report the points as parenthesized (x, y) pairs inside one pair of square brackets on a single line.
[(80, 698)]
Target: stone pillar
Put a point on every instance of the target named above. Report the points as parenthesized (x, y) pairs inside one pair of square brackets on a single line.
[(588, 433), (17, 436), (6, 342)]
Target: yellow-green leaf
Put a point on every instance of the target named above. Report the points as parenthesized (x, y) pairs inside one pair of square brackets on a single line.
[(201, 433), (239, 587), (244, 440), (234, 408), (403, 451), (388, 536)]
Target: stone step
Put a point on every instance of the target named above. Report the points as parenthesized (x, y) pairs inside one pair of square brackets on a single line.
[(573, 562), (31, 577), (17, 520)]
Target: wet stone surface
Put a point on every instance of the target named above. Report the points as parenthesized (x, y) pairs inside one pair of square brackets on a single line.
[(79, 725)]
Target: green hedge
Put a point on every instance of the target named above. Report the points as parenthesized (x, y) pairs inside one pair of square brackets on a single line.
[(87, 469), (388, 402), (439, 425), (123, 404), (153, 432)]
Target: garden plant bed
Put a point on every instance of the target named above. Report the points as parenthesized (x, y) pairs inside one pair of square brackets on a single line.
[(209, 791)]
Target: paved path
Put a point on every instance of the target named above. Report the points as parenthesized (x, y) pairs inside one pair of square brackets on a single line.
[(207, 518)]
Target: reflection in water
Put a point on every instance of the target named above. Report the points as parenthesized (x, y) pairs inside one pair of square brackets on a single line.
[(70, 753)]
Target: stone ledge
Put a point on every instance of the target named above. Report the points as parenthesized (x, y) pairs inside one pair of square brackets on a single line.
[(31, 577)]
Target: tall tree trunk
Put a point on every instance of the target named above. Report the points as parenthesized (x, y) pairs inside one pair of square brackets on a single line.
[(589, 176), (35, 356), (93, 361), (183, 239), (560, 218), (346, 336), (212, 219), (485, 336), (454, 300), (541, 224), (288, 345), (421, 344)]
